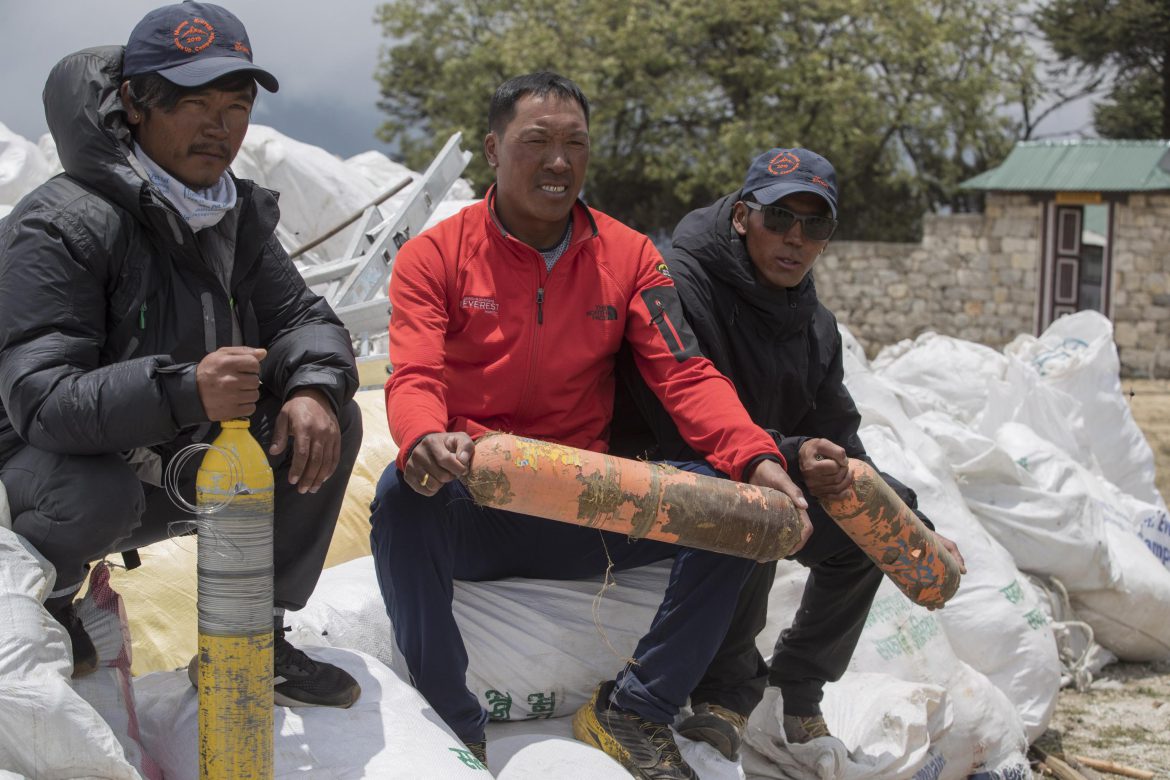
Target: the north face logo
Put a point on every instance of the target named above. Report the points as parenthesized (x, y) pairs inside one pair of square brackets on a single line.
[(602, 312)]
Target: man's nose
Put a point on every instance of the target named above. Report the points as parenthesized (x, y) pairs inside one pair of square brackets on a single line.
[(216, 124), (558, 159), (795, 234)]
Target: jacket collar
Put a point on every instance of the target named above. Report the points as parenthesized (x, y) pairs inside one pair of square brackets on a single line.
[(584, 226)]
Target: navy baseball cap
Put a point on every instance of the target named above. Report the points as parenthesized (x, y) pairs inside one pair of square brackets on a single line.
[(192, 44), (778, 173)]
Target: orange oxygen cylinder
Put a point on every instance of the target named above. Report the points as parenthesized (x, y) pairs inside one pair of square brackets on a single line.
[(636, 498), (894, 537)]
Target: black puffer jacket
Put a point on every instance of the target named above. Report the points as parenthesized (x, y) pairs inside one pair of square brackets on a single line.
[(107, 301), (780, 348)]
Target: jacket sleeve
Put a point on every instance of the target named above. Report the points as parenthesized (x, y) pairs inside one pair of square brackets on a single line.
[(700, 400), (53, 319), (836, 418), (306, 342), (416, 392)]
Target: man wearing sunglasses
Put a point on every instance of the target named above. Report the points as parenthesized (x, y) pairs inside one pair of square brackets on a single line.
[(742, 269)]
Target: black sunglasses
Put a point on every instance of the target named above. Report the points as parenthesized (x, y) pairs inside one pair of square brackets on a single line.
[(779, 220)]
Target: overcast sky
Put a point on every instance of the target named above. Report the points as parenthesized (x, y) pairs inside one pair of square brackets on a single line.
[(324, 55)]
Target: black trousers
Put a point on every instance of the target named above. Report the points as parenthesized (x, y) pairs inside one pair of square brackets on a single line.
[(78, 508), (817, 648)]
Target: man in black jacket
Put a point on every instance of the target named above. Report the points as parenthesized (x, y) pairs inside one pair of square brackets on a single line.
[(144, 299), (742, 267)]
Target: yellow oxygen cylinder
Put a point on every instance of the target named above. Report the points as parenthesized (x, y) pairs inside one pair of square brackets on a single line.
[(234, 493)]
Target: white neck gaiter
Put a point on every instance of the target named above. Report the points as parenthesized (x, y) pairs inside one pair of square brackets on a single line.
[(200, 209)]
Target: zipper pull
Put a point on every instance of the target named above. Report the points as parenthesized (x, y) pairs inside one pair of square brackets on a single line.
[(539, 305), (142, 317)]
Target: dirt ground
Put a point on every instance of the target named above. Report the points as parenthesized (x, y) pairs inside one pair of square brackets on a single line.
[(1125, 716)]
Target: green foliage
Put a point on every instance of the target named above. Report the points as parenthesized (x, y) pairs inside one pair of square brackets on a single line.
[(906, 97), (1126, 40)]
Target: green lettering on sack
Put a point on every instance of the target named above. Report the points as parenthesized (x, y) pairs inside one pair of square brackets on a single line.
[(542, 705), (1013, 593), (1036, 618), (467, 758), (499, 705)]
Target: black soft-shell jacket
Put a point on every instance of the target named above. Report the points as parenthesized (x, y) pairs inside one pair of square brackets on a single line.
[(780, 348), (107, 302)]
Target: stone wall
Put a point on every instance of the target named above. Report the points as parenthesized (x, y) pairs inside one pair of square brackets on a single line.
[(974, 276), (1141, 284)]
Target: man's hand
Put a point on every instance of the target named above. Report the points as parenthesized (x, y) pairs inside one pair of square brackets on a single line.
[(437, 459), (228, 381), (769, 473), (953, 549), (307, 416), (825, 468)]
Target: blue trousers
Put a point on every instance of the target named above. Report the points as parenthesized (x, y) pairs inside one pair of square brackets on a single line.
[(421, 544)]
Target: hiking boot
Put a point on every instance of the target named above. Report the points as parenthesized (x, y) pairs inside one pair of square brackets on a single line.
[(799, 729), (298, 680), (718, 726), (645, 748), (85, 657)]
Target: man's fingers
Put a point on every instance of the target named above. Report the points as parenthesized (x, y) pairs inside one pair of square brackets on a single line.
[(300, 458), (311, 477), (806, 530), (279, 433)]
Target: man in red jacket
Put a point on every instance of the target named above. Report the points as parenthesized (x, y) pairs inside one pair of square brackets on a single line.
[(508, 316)]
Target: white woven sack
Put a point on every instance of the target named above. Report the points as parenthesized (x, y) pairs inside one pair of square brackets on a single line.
[(1015, 647), (1057, 534), (390, 733), (942, 372), (1076, 354), (541, 757), (46, 729), (882, 727), (534, 648)]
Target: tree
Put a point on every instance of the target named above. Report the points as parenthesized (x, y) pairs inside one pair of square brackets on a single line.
[(906, 97), (1126, 42)]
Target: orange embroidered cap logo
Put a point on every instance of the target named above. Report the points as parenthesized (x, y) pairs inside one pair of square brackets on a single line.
[(194, 35), (783, 163)]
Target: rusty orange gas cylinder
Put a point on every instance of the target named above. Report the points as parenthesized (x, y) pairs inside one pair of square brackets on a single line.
[(889, 532), (632, 497)]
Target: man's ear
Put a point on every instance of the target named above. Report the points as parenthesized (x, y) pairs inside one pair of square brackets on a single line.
[(133, 115), (739, 218), (489, 149)]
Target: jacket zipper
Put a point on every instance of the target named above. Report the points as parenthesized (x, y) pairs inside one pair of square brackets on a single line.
[(539, 305)]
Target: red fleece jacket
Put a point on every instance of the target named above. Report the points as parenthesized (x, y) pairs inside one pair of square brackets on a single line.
[(483, 338)]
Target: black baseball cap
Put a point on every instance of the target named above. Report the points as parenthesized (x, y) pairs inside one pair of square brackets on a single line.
[(192, 44), (778, 173)]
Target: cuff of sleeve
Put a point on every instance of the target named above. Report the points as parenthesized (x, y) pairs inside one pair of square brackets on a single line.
[(789, 447), (321, 381), (751, 464), (178, 382)]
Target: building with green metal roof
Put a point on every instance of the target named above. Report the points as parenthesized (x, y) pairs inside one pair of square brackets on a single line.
[(1066, 226), (1095, 165)]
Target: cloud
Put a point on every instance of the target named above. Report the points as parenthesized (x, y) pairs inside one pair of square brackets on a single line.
[(324, 56)]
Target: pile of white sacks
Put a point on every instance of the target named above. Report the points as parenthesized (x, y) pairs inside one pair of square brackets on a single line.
[(317, 189), (1028, 458)]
